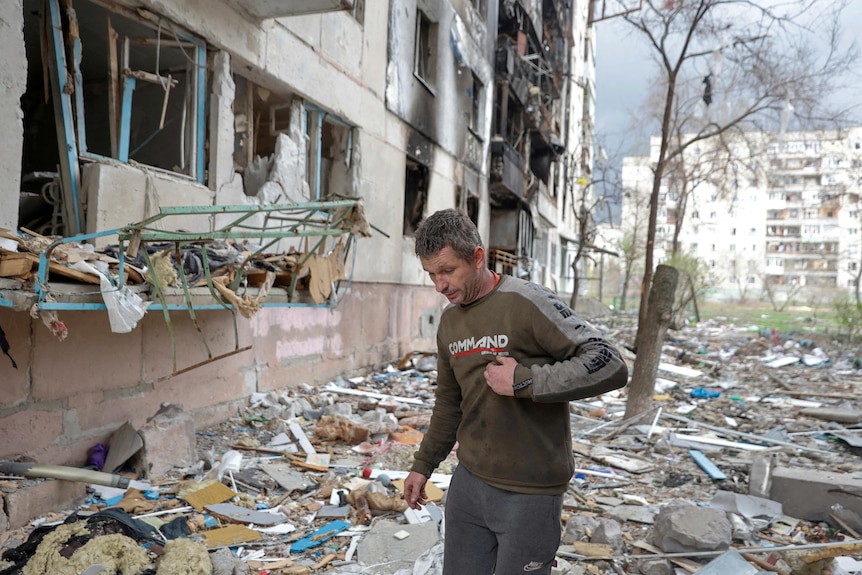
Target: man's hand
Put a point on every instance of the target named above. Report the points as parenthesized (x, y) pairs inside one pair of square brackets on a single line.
[(500, 375), (414, 490)]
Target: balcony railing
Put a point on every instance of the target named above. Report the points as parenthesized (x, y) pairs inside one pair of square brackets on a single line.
[(507, 173)]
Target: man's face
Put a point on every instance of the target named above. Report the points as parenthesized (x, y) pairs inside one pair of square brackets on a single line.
[(459, 280)]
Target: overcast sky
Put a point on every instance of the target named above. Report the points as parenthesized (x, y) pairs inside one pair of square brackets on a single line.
[(624, 68)]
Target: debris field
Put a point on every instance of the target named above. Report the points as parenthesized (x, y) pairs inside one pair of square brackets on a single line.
[(747, 463)]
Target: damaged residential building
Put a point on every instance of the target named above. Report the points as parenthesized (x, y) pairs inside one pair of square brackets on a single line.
[(780, 217), (201, 200)]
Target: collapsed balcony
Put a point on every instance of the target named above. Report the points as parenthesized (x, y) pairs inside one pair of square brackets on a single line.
[(274, 255)]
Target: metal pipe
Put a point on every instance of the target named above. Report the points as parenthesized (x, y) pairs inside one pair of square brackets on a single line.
[(63, 472)]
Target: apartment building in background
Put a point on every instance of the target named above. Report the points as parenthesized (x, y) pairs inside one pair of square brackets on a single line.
[(302, 143), (775, 211)]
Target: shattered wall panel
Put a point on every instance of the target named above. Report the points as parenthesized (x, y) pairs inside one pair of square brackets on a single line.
[(13, 81)]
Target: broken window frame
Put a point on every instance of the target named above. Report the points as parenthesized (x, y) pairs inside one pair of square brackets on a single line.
[(477, 93), (358, 11), (415, 196), (468, 202), (314, 118), (425, 51), (479, 5), (194, 136)]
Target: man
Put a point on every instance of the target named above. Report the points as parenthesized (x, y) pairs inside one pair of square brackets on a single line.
[(510, 357)]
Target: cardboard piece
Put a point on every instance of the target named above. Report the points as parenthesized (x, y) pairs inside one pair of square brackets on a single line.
[(230, 535), (124, 443), (434, 493), (210, 495)]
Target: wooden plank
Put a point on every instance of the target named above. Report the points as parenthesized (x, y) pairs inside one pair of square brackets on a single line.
[(67, 272), (15, 265)]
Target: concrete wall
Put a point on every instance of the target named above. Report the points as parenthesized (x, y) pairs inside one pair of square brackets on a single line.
[(65, 396), (13, 80), (117, 195)]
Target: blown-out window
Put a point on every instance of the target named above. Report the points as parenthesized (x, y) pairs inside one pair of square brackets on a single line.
[(425, 56), (329, 141), (139, 85)]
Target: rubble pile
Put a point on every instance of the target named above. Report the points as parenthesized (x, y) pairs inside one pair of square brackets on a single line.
[(747, 463)]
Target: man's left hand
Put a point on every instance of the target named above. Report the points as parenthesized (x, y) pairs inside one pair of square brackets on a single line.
[(500, 375)]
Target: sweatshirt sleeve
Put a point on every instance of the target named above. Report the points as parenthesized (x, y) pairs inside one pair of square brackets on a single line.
[(445, 419), (585, 363)]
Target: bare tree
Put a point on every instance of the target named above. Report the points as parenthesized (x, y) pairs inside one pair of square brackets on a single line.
[(743, 270), (778, 304), (589, 199), (755, 65), (631, 243)]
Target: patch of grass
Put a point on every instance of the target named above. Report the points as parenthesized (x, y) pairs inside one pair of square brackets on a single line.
[(763, 317)]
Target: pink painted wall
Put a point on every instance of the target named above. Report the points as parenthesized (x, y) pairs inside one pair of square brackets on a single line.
[(66, 396)]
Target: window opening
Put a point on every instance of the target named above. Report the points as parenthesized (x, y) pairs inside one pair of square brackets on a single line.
[(359, 11), (149, 84), (415, 195), (328, 141), (260, 115), (120, 84), (425, 57), (468, 202), (476, 95)]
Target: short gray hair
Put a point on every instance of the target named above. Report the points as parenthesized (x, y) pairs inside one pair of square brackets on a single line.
[(447, 228)]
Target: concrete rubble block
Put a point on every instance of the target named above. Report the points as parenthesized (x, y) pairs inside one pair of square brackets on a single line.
[(610, 533), (169, 441), (226, 563), (40, 498), (810, 494), (577, 527), (383, 553), (682, 527), (635, 513), (655, 567)]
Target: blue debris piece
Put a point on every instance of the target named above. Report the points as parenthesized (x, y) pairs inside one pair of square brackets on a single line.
[(703, 393), (711, 469), (319, 536)]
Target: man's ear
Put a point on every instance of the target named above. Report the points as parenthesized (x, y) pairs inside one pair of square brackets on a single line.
[(478, 257)]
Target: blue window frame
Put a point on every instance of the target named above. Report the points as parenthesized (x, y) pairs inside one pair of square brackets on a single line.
[(142, 99), (328, 146)]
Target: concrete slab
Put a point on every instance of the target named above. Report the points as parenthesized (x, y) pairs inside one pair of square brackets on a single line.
[(809, 494), (169, 441), (385, 554)]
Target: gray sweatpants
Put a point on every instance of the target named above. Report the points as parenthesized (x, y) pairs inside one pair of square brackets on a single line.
[(492, 531)]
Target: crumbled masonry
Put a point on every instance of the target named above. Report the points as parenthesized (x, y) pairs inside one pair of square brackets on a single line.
[(750, 454)]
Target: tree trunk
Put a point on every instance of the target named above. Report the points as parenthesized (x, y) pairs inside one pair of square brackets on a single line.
[(651, 339), (573, 299), (694, 300)]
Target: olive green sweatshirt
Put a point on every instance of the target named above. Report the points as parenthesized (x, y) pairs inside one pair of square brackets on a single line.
[(522, 443)]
